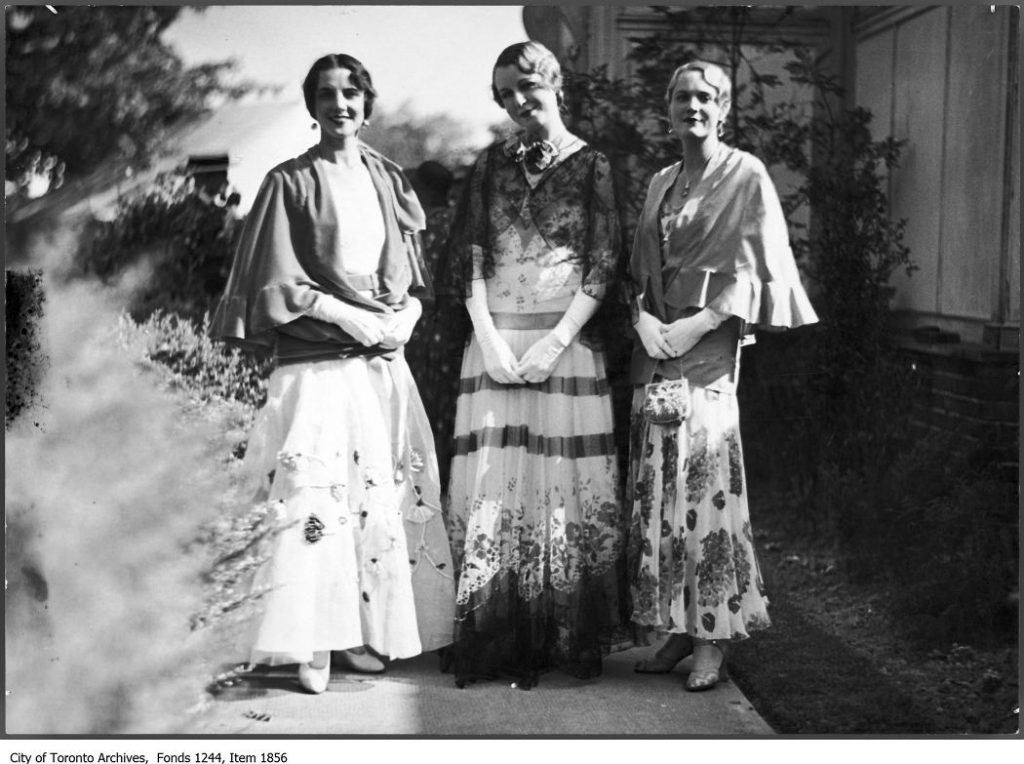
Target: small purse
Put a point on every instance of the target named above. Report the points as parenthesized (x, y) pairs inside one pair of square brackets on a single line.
[(667, 402)]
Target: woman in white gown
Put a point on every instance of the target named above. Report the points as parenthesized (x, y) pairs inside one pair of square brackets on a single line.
[(325, 274)]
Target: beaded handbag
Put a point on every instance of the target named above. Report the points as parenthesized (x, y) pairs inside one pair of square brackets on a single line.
[(667, 402)]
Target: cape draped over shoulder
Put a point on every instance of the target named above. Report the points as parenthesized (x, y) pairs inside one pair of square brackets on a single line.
[(288, 253), (735, 252), (732, 254)]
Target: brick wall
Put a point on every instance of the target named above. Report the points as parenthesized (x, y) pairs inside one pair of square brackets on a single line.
[(970, 390)]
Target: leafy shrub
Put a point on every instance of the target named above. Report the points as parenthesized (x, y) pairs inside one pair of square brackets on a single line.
[(193, 361), (184, 238), (104, 502)]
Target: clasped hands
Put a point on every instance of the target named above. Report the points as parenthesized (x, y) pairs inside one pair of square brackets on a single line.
[(390, 330), (664, 341), (536, 365)]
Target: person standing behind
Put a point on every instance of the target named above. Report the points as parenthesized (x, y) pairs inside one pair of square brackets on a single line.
[(534, 513), (710, 260), (324, 275)]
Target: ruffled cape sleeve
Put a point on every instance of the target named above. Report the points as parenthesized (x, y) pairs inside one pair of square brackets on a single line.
[(267, 287), (745, 266), (767, 291)]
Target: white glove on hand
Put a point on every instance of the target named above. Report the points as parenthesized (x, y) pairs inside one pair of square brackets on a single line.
[(365, 327), (682, 335), (541, 358), (399, 325), (499, 360), (650, 329)]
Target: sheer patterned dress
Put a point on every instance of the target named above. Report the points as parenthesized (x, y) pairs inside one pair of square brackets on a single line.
[(534, 511)]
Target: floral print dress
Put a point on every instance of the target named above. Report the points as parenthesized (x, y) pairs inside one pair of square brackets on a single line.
[(692, 564), (691, 544)]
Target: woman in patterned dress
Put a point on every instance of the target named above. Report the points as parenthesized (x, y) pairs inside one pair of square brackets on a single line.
[(324, 274), (711, 258), (534, 512)]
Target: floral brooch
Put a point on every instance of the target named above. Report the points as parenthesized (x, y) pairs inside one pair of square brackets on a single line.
[(537, 156)]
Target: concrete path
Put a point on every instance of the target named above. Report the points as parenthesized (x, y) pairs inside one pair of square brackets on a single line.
[(414, 698)]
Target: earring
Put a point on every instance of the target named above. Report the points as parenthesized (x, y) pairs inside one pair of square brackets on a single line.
[(721, 129), (314, 126), (670, 130)]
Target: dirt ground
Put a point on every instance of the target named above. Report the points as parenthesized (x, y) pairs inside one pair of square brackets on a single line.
[(839, 661)]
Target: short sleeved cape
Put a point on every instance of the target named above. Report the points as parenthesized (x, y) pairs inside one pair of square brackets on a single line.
[(288, 253), (733, 256)]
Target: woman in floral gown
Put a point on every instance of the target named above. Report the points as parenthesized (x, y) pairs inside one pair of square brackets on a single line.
[(324, 275), (534, 514), (710, 260)]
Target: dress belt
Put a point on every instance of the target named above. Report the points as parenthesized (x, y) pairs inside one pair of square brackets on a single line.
[(526, 320), (364, 282)]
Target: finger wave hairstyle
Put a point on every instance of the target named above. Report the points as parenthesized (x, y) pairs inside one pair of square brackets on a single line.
[(360, 78), (532, 58), (713, 74)]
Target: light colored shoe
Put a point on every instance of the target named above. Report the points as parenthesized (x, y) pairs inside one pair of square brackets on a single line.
[(708, 665), (361, 660), (313, 678), (674, 650)]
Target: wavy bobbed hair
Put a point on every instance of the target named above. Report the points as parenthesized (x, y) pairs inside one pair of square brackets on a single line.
[(713, 74), (532, 58), (360, 78)]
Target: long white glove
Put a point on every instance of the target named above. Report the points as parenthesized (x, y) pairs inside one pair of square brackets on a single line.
[(399, 325), (499, 360), (540, 359), (682, 335), (649, 329), (366, 327)]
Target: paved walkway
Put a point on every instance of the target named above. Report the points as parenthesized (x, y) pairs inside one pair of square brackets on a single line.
[(414, 698)]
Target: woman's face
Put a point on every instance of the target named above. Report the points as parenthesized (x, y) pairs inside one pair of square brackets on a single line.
[(339, 104), (527, 98), (693, 108)]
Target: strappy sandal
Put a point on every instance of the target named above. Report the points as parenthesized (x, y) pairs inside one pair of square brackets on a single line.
[(314, 679), (674, 650), (707, 671)]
